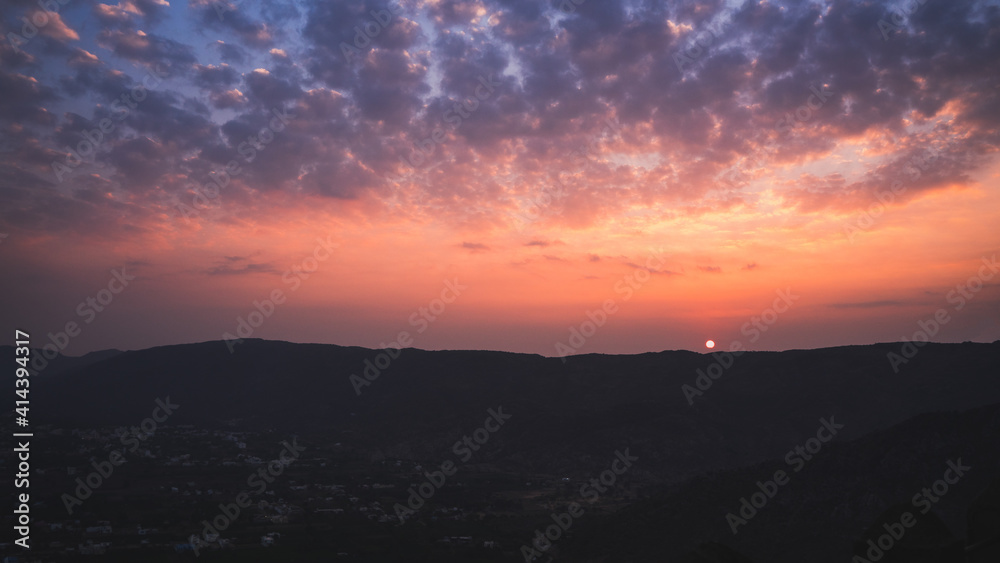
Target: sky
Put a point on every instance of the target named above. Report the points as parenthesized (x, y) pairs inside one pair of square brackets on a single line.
[(551, 177)]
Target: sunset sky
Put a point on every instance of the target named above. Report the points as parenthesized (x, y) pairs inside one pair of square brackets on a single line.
[(687, 160)]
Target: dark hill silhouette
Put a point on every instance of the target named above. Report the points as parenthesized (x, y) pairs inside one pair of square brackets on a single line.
[(928, 541), (567, 418), (714, 553), (829, 510), (984, 526)]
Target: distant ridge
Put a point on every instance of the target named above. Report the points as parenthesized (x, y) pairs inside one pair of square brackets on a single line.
[(696, 455), (564, 412)]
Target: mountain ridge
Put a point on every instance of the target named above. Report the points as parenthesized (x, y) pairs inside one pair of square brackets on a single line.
[(563, 412)]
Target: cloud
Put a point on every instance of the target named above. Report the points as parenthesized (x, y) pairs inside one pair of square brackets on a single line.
[(55, 27), (82, 58), (475, 247), (541, 243), (869, 304), (270, 90), (685, 143), (128, 13), (233, 54), (23, 98), (234, 18), (239, 266), (147, 48), (212, 77), (228, 99)]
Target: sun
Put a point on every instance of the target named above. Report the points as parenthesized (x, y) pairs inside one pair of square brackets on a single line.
[(710, 344)]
